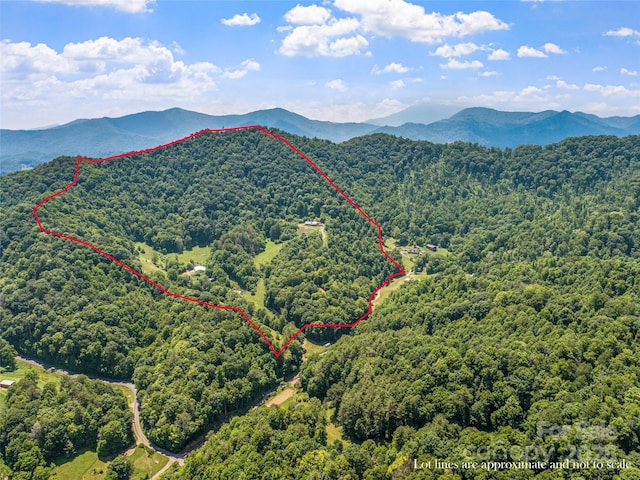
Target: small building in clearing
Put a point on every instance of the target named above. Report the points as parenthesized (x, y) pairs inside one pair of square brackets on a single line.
[(432, 247), (314, 223), (199, 268), (6, 383)]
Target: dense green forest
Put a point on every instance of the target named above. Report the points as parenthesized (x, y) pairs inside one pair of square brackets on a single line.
[(524, 338), (42, 423)]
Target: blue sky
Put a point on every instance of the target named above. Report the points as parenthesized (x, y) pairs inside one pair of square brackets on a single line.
[(340, 60)]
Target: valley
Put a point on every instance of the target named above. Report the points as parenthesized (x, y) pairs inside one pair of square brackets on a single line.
[(520, 309)]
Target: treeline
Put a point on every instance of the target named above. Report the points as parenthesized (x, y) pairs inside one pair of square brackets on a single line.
[(522, 345), (531, 318), (42, 423)]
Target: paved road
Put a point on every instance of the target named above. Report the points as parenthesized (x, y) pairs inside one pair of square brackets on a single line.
[(138, 432), (140, 437)]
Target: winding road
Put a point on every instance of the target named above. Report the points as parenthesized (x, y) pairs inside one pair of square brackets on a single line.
[(138, 432)]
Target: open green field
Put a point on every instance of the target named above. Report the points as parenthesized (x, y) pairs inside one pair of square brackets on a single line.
[(146, 463), (85, 466), (153, 260), (311, 347), (271, 250), (147, 256), (258, 298), (18, 374), (198, 255), (333, 432)]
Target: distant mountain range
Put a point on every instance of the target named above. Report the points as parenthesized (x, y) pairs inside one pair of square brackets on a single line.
[(108, 136)]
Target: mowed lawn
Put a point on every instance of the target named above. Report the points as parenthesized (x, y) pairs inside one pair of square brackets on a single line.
[(85, 466), (44, 376), (271, 250)]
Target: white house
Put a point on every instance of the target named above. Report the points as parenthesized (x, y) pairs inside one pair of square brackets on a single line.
[(199, 268), (6, 383)]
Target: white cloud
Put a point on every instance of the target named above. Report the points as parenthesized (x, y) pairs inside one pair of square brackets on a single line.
[(337, 85), (311, 15), (526, 51), (631, 73), (488, 73), (177, 48), (609, 90), (529, 98), (398, 18), (240, 71), (129, 6), (319, 40), (499, 54), (391, 68), (102, 75), (623, 32), (397, 84), (553, 48), (458, 50), (567, 86), (244, 20), (598, 69), (454, 64)]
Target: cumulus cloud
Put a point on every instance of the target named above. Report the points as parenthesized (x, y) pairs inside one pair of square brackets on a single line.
[(398, 18), (104, 74), (459, 50), (337, 85), (488, 73), (598, 69), (129, 6), (397, 84), (526, 51), (609, 90), (244, 20), (242, 70), (553, 48), (631, 73), (454, 64), (623, 32), (499, 54), (314, 31), (311, 15), (566, 86), (331, 39), (391, 68)]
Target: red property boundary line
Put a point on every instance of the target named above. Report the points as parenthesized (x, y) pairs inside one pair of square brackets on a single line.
[(275, 352)]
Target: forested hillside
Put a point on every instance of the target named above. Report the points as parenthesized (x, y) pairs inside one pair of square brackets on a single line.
[(523, 333), (43, 422)]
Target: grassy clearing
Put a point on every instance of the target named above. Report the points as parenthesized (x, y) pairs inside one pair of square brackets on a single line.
[(271, 250), (153, 260), (258, 298), (147, 256), (311, 347), (19, 373), (146, 463), (198, 255), (281, 397), (333, 432), (86, 466), (386, 291)]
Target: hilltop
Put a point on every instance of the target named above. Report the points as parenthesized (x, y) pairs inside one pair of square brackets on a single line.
[(102, 137)]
